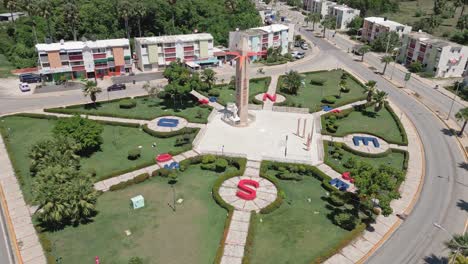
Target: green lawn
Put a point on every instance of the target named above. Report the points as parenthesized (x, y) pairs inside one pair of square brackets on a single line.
[(310, 96), (393, 159), (228, 93), (5, 67), (146, 108), (299, 231), (159, 235), (380, 124), (112, 158)]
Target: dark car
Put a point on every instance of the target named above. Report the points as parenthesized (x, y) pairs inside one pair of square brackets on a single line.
[(116, 87), (30, 78)]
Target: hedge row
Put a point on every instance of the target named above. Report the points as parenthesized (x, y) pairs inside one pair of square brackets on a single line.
[(185, 130), (220, 250), (38, 116), (279, 198), (14, 163), (400, 126), (122, 185), (343, 243)]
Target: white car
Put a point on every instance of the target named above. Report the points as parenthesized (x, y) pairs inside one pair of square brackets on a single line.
[(24, 87), (304, 46)]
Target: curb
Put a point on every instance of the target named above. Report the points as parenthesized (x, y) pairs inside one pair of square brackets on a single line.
[(10, 232)]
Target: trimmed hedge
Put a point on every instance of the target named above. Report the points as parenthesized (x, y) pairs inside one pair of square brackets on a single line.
[(185, 130), (400, 126), (121, 185), (127, 104), (220, 250)]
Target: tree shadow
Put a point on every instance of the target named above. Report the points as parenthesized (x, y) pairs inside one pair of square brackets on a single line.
[(433, 259), (462, 204), (92, 106), (370, 114), (463, 165), (448, 132)]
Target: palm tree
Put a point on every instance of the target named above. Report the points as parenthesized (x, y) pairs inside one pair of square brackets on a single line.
[(72, 15), (314, 18), (370, 89), (209, 77), (328, 22), (363, 50), (92, 90), (462, 115), (140, 11), (342, 86), (386, 59), (292, 81), (380, 98), (82, 206), (12, 5), (31, 7), (125, 11), (44, 10), (459, 244)]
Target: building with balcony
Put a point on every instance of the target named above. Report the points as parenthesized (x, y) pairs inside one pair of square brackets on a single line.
[(439, 57), (344, 14), (262, 38), (373, 26), (84, 59), (196, 50), (321, 7)]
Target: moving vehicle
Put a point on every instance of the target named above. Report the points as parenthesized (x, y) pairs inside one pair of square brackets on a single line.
[(30, 78), (116, 87), (24, 87)]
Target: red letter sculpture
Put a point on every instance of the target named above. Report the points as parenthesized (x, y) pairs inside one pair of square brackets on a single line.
[(245, 191)]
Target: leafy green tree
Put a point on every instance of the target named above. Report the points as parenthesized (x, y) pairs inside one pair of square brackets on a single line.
[(71, 14), (30, 6), (126, 11), (371, 89), (462, 115), (460, 37), (208, 76), (59, 151), (44, 10), (380, 98), (415, 66), (176, 72), (91, 89), (439, 6), (329, 22), (363, 50), (462, 22), (85, 132), (12, 6), (140, 11), (385, 41), (355, 24), (345, 220), (292, 81), (386, 59)]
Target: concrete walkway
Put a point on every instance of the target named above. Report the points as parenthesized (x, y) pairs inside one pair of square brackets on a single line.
[(17, 211), (268, 105)]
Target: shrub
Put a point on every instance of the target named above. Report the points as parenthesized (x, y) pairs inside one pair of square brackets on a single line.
[(91, 172), (415, 66), (127, 103), (221, 165), (141, 178), (335, 200), (208, 159), (289, 176), (331, 99), (135, 260), (134, 154), (350, 163), (345, 220), (120, 185), (319, 82), (345, 89), (214, 92), (162, 172), (163, 95), (209, 166)]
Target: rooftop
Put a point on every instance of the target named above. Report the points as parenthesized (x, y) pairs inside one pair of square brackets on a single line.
[(273, 28), (79, 45), (428, 38), (175, 38), (384, 22), (343, 7), (9, 14)]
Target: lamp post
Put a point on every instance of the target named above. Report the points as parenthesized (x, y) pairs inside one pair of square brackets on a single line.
[(453, 100)]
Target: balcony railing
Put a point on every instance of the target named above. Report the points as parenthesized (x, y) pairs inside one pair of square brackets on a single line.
[(190, 48), (170, 50), (76, 57), (99, 56), (78, 68)]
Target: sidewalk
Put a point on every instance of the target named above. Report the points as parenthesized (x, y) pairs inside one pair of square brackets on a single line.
[(17, 211)]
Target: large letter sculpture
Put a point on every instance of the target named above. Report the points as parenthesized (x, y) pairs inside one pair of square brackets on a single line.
[(245, 192)]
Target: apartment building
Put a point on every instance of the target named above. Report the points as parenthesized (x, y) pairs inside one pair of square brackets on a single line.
[(441, 58), (262, 38), (196, 50), (344, 14), (84, 59), (321, 7), (373, 26)]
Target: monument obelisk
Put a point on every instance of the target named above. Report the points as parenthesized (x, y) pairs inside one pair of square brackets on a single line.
[(242, 82)]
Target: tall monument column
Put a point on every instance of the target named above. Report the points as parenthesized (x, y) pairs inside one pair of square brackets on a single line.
[(242, 82)]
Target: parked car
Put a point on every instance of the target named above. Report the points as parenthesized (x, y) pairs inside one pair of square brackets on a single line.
[(304, 46), (24, 87), (116, 87), (300, 55), (30, 78)]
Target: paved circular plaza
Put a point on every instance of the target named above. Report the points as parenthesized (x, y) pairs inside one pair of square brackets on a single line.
[(153, 124), (265, 194)]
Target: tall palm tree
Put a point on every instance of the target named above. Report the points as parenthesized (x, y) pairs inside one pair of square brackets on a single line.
[(82, 204), (44, 10), (314, 18), (92, 90), (126, 11), (342, 86), (12, 5), (363, 50), (380, 98), (386, 59), (209, 77), (370, 89), (329, 22), (462, 115), (72, 16), (459, 242), (31, 7), (292, 81), (140, 11)]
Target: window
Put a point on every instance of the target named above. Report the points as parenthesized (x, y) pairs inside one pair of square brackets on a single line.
[(126, 48), (45, 65), (65, 64), (144, 46)]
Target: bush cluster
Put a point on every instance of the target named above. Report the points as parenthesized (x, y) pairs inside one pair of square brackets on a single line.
[(134, 154), (138, 179), (330, 99), (127, 103), (213, 163), (317, 81)]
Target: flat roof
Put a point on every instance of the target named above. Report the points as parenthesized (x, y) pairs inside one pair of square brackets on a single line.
[(79, 45), (343, 7), (9, 14), (384, 22), (428, 38), (273, 28), (175, 38)]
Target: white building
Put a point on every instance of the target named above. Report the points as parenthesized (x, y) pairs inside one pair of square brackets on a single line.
[(84, 59), (439, 57), (373, 26), (344, 14), (262, 38), (11, 16), (196, 50), (321, 7)]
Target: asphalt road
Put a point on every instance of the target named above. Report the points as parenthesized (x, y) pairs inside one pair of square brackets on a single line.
[(444, 195), (5, 256)]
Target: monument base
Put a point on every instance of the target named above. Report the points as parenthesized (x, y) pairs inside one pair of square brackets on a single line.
[(236, 122)]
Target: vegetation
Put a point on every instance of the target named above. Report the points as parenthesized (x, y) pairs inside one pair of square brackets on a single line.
[(386, 59), (458, 246), (322, 88), (274, 56), (363, 50), (91, 89), (5, 67), (415, 66), (385, 42), (462, 116), (328, 22), (371, 89), (100, 19), (354, 25), (460, 88), (292, 81)]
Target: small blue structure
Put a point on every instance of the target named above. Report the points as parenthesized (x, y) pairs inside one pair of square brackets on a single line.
[(212, 99), (326, 108), (365, 141), (173, 166), (339, 184), (168, 122)]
